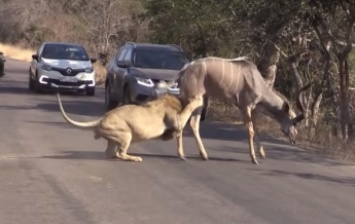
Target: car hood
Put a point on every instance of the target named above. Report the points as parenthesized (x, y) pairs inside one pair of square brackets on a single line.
[(161, 74), (59, 63)]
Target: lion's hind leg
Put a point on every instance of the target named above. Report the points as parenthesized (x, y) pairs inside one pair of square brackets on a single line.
[(123, 141), (111, 151), (169, 134)]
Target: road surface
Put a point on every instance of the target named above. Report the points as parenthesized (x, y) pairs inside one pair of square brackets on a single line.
[(51, 172)]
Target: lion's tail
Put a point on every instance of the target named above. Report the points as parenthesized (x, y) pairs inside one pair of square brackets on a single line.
[(89, 124)]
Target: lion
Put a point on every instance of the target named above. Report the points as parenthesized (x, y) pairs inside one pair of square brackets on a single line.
[(128, 124)]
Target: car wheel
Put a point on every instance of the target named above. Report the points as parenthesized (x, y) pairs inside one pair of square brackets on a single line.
[(126, 96), (31, 84), (204, 114), (204, 111), (37, 85), (109, 102), (90, 91)]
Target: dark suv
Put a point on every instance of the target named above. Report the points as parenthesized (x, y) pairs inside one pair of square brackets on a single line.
[(135, 73)]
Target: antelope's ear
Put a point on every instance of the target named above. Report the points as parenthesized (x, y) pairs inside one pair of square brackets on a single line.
[(297, 119), (285, 107)]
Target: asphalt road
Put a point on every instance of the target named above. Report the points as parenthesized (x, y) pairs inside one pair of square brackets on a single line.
[(51, 172)]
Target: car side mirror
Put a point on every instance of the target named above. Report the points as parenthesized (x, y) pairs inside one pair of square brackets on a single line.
[(124, 64), (35, 57), (93, 60)]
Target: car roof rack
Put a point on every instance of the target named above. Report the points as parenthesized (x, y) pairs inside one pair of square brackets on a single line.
[(134, 44), (176, 46)]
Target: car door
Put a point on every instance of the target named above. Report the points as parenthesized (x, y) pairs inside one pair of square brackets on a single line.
[(34, 63), (115, 71), (111, 69), (123, 71)]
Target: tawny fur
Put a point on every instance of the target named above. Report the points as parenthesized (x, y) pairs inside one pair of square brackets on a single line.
[(239, 82), (122, 126)]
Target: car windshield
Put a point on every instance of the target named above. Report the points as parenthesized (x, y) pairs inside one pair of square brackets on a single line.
[(159, 59), (65, 52)]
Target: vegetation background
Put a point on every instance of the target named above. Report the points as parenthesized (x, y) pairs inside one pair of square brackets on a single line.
[(292, 42)]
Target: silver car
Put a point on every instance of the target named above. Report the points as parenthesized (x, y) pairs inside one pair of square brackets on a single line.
[(61, 65), (138, 71)]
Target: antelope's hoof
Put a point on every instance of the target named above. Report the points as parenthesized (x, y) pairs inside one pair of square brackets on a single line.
[(183, 158), (204, 157), (254, 161), (262, 153)]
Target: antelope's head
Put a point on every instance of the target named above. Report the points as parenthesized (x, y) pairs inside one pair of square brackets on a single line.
[(289, 126)]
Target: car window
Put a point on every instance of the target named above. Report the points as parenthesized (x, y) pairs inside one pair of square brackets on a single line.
[(121, 55), (40, 50), (65, 52), (159, 59), (128, 55)]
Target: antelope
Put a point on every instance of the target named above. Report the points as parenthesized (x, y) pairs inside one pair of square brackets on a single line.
[(239, 82)]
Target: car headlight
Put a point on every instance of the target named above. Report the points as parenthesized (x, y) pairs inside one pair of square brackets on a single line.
[(144, 81), (46, 67), (174, 86), (89, 70)]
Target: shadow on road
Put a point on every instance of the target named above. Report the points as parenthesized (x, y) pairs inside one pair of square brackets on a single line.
[(197, 158), (88, 155), (278, 152), (226, 132), (350, 181), (14, 90), (91, 155)]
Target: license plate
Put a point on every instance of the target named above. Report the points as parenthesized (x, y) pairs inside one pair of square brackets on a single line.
[(69, 79)]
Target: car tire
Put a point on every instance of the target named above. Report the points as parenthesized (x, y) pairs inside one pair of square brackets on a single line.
[(31, 84), (90, 91), (204, 111), (37, 85), (109, 102), (126, 96), (204, 114)]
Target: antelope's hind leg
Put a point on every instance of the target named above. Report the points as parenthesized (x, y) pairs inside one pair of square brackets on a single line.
[(195, 127), (191, 108)]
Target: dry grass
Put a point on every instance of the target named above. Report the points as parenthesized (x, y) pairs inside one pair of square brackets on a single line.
[(17, 52), (100, 73), (319, 140), (221, 111), (25, 54)]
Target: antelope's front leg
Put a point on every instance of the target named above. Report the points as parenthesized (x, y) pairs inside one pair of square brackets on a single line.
[(259, 147), (249, 125)]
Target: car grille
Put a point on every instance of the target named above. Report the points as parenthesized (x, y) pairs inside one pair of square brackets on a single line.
[(65, 72)]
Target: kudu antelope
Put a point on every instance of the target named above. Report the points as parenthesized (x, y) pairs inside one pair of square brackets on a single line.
[(239, 82)]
